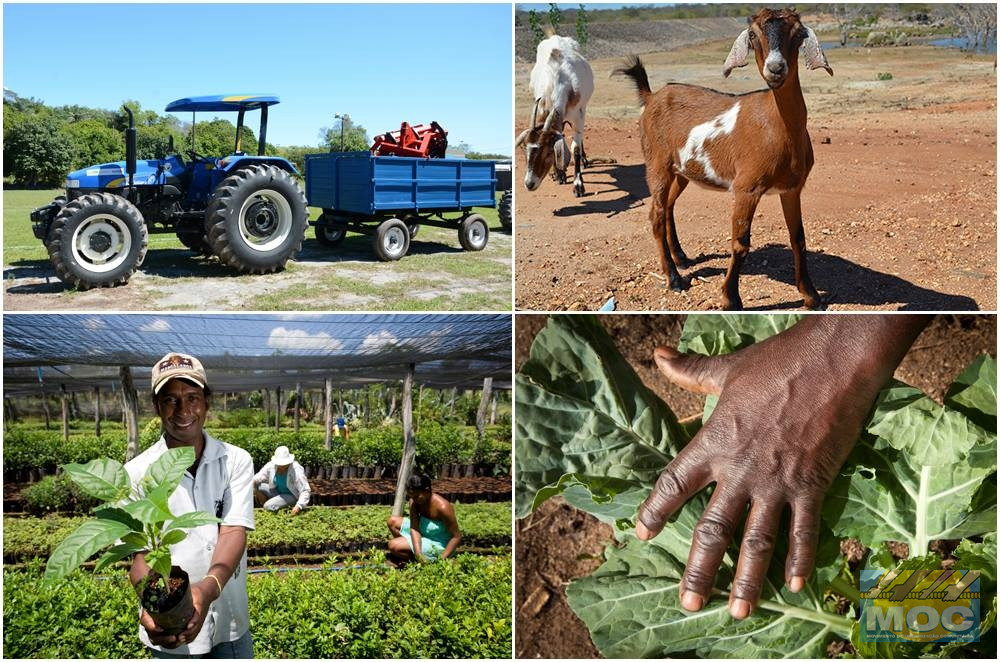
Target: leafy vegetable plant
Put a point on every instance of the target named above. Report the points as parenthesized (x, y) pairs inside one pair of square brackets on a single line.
[(589, 429), (142, 525)]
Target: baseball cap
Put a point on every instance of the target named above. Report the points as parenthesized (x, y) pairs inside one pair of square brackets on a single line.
[(175, 365)]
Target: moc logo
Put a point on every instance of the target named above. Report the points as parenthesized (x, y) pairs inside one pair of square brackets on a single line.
[(920, 605)]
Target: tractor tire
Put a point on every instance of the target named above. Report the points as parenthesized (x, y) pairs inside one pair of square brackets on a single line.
[(196, 241), (97, 240), (257, 219), (328, 232), (473, 233), (392, 240), (505, 211)]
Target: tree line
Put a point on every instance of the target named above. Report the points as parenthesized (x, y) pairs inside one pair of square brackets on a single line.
[(42, 143)]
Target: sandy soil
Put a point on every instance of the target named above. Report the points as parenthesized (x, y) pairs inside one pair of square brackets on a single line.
[(899, 210), (558, 543)]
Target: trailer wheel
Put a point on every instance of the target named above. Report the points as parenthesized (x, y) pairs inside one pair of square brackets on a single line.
[(413, 228), (473, 233), (97, 240), (392, 240), (504, 209), (328, 231), (257, 219)]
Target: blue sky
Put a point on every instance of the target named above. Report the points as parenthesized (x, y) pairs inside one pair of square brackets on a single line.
[(381, 64)]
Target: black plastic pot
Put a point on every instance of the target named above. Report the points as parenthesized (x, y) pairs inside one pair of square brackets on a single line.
[(173, 610)]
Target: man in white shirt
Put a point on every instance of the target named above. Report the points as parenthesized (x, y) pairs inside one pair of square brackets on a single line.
[(219, 482)]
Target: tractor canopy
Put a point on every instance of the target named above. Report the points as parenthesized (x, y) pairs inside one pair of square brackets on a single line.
[(223, 102)]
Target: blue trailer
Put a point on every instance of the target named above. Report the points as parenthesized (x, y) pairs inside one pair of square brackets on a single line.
[(389, 197)]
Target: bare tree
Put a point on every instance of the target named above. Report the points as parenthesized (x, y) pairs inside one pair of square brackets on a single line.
[(976, 23)]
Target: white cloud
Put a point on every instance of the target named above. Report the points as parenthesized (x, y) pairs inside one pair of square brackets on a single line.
[(159, 325), (377, 341), (282, 338), (94, 324)]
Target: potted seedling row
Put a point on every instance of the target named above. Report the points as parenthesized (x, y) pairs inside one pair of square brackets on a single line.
[(125, 525)]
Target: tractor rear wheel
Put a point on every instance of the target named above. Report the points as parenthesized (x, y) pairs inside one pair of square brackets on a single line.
[(97, 240), (257, 219), (504, 209), (473, 233), (328, 231), (392, 240)]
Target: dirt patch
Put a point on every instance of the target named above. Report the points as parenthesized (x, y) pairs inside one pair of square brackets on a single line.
[(559, 543), (899, 210)]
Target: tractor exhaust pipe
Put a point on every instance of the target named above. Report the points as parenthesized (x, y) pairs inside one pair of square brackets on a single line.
[(130, 148)]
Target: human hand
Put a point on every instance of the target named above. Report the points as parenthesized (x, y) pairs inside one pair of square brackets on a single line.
[(790, 410), (295, 511), (155, 632), (202, 595)]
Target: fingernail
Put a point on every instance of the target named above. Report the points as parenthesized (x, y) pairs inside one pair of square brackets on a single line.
[(692, 601), (641, 532), (664, 353), (739, 609), (796, 584)]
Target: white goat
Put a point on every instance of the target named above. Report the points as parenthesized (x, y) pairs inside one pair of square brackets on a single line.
[(562, 83)]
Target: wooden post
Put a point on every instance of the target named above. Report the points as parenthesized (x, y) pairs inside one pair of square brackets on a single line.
[(493, 410), (64, 400), (45, 408), (298, 405), (481, 412), (420, 397), (328, 411), (368, 404), (97, 411), (130, 410), (409, 443), (266, 403), (277, 408), (454, 396)]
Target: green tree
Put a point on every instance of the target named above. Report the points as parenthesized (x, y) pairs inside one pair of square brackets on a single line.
[(218, 138), (93, 142), (555, 17), (582, 35), (535, 23), (355, 137), (39, 154)]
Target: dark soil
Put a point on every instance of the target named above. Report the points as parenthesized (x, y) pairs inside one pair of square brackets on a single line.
[(558, 543), (157, 599)]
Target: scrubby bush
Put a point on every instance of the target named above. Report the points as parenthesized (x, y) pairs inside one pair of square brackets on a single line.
[(56, 494)]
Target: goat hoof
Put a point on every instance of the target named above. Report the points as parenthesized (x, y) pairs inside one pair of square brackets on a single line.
[(578, 191), (815, 304), (678, 284), (732, 304), (682, 261)]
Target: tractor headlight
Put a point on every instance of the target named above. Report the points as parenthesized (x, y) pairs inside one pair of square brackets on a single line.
[(72, 183)]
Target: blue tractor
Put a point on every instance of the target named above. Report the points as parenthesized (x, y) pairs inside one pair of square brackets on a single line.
[(246, 209)]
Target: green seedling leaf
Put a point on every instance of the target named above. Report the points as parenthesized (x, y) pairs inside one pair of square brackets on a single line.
[(174, 537), (191, 520), (159, 560), (103, 478), (137, 539), (713, 335), (119, 514), (115, 554), (83, 543), (980, 556), (147, 511), (167, 471), (974, 393)]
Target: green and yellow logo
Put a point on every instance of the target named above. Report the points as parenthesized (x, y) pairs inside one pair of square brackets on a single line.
[(920, 605)]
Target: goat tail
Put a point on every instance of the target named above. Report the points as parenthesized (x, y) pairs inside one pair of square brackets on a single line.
[(634, 69)]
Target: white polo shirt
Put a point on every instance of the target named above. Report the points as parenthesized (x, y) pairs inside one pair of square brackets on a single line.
[(223, 486)]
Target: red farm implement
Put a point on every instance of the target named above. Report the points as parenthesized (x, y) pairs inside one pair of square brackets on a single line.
[(421, 140)]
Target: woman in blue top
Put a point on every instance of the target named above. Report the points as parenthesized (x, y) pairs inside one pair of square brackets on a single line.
[(430, 532)]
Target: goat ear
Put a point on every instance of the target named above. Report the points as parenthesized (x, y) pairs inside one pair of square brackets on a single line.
[(738, 54), (813, 52)]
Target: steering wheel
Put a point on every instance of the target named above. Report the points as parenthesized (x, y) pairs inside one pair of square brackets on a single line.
[(195, 156)]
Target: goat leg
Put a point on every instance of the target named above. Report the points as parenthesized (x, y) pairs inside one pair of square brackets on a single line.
[(791, 205), (676, 252), (578, 189), (743, 210), (657, 218)]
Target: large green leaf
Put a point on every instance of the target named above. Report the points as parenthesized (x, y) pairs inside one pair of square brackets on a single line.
[(83, 543), (191, 520), (103, 478), (631, 605), (974, 393), (721, 334), (148, 511), (167, 471), (582, 411)]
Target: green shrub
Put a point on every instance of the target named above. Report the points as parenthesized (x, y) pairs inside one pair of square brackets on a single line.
[(883, 75), (56, 494)]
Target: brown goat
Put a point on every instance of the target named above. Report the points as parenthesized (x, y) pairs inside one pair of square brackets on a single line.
[(747, 144)]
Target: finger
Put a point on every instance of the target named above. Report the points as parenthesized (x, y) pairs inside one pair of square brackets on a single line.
[(712, 536), (700, 374), (803, 537), (756, 550), (682, 479)]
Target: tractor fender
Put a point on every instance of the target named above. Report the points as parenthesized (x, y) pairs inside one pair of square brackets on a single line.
[(234, 163)]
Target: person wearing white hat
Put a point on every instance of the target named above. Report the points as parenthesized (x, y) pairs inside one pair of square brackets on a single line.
[(221, 482), (282, 483)]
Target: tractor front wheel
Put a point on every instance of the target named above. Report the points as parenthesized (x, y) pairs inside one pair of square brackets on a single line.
[(97, 240), (257, 219), (504, 209), (392, 240), (473, 233)]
